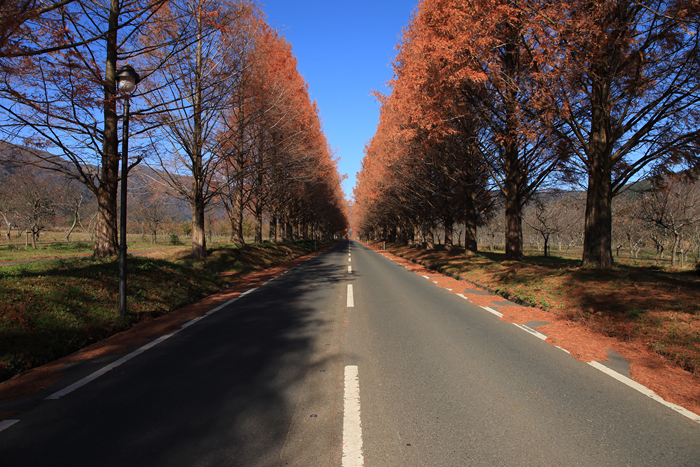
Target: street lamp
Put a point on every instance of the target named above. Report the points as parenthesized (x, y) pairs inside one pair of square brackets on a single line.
[(127, 79)]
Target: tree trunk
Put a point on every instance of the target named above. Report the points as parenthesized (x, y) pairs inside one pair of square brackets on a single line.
[(512, 182), (514, 221), (597, 243), (197, 200), (674, 251), (199, 239), (430, 236), (106, 239), (470, 221), (449, 230), (418, 235), (392, 235), (237, 217), (258, 224), (288, 234), (273, 226), (72, 227)]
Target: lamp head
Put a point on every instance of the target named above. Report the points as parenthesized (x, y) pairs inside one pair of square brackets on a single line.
[(127, 79)]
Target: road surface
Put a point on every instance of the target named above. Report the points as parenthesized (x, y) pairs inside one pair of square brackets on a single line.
[(347, 360)]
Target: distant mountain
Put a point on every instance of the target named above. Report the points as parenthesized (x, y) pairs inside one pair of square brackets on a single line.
[(15, 159)]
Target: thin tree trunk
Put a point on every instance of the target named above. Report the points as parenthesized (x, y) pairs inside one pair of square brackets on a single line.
[(470, 242), (449, 230), (237, 217), (287, 229), (430, 236), (106, 192), (70, 230), (273, 226), (197, 202), (674, 251), (258, 224), (199, 238)]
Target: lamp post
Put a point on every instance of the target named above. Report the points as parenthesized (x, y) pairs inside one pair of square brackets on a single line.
[(127, 79)]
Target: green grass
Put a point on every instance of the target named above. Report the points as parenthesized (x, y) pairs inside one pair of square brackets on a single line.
[(53, 244)]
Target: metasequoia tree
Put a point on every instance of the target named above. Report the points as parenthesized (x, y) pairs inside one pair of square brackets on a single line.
[(480, 53), (194, 90), (273, 81), (378, 201), (289, 139), (312, 205), (443, 123), (276, 157), (237, 134), (20, 19), (626, 89), (463, 85), (65, 100)]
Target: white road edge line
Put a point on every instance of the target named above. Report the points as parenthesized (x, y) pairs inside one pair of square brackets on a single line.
[(351, 299), (528, 329), (644, 390), (352, 426), (492, 311), (126, 358), (5, 424)]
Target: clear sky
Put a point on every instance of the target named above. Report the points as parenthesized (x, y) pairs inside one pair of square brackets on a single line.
[(344, 50)]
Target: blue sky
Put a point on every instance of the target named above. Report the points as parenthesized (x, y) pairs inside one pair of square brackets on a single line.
[(344, 50)]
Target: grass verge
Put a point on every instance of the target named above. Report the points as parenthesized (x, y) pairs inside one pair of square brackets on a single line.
[(51, 309), (656, 306)]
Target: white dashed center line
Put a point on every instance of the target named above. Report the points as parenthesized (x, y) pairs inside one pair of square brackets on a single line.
[(352, 426), (351, 300)]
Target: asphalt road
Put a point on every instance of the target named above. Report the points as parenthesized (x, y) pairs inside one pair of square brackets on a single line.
[(348, 359)]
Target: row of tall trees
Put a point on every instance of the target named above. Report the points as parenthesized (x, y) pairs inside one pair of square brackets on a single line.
[(221, 110), (504, 97)]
